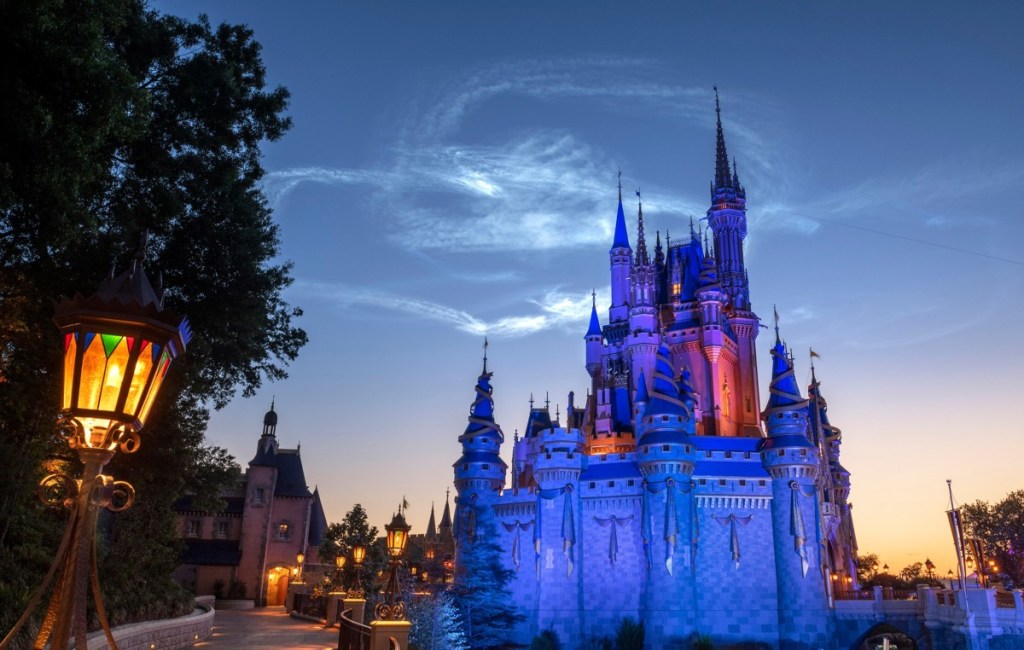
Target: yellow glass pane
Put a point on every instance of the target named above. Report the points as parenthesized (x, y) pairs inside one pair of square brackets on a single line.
[(157, 380), (117, 363), (70, 351), (143, 368), (94, 363)]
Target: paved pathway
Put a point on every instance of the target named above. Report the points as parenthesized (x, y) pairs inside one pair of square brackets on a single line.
[(267, 627)]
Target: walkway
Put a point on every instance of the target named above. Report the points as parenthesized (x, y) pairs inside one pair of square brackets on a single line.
[(267, 627)]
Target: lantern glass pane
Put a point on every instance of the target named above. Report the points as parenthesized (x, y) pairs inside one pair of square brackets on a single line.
[(113, 375), (158, 379), (70, 352), (94, 362), (143, 368)]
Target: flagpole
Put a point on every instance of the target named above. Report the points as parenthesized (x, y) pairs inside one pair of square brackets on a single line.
[(958, 536)]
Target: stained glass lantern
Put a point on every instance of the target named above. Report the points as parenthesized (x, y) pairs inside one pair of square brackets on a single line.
[(398, 535), (358, 554), (339, 560), (118, 345), (300, 558)]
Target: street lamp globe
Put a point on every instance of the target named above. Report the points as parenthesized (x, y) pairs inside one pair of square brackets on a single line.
[(397, 535), (358, 554), (339, 561)]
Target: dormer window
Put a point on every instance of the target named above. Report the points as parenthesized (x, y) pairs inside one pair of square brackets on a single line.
[(259, 496)]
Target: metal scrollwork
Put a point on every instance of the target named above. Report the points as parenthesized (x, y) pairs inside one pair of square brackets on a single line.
[(70, 429), (390, 612), (356, 592), (127, 438), (58, 491), (113, 495)]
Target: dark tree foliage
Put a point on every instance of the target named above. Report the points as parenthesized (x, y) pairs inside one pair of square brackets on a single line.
[(353, 530), (1000, 527), (118, 120), (482, 586)]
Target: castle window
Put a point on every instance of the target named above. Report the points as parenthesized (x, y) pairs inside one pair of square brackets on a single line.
[(593, 484), (611, 483), (195, 527), (748, 405), (664, 447), (222, 529), (721, 481), (760, 483), (746, 454), (703, 481), (707, 454), (742, 482), (259, 496), (486, 466), (803, 452), (283, 531), (728, 454), (465, 466), (782, 452), (630, 482)]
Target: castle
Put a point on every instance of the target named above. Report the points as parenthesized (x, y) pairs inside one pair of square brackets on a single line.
[(669, 495)]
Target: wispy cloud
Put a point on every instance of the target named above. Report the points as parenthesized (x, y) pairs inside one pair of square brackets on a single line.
[(553, 309)]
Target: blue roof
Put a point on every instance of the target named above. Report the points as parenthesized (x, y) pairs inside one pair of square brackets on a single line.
[(790, 440), (317, 521), (664, 436), (601, 470), (723, 468), (479, 457), (641, 389), (784, 389), (722, 443), (291, 480), (621, 238), (595, 324), (665, 399)]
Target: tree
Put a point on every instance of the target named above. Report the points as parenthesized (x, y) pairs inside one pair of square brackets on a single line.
[(1000, 527), (118, 120), (355, 530), (436, 624), (867, 567), (482, 585)]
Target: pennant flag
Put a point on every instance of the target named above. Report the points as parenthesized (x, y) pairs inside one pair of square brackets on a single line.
[(568, 531)]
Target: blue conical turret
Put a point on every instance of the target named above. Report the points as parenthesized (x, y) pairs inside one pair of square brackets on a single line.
[(664, 447), (480, 470), (621, 255)]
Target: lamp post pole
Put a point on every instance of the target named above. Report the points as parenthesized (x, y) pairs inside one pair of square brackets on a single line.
[(392, 608), (118, 345), (358, 555)]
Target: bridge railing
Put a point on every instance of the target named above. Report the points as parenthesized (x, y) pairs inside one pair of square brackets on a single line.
[(352, 635)]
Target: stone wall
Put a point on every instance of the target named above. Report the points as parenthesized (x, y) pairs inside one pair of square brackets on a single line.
[(168, 634)]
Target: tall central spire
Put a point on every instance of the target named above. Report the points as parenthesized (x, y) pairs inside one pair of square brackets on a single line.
[(722, 176), (641, 245)]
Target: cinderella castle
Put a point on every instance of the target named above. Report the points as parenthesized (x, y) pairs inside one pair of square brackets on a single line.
[(670, 495)]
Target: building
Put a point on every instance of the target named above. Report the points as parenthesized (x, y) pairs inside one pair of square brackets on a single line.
[(669, 495), (250, 548)]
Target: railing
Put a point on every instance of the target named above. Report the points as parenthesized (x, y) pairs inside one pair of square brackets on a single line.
[(859, 594), (352, 635), (307, 605), (1005, 600), (899, 594), (946, 598)]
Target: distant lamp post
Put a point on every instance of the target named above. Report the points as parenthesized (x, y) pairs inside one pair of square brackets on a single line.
[(299, 559), (358, 555), (885, 568), (339, 575), (392, 608), (118, 346)]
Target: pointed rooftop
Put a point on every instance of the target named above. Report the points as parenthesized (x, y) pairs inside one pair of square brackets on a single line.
[(595, 324), (642, 396), (665, 396), (785, 393), (722, 176), (621, 236), (446, 516), (431, 526), (481, 412), (641, 242)]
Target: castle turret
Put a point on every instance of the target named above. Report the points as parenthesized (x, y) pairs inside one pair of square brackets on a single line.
[(621, 255), (643, 337), (480, 471), (727, 218), (791, 460), (712, 298), (593, 338), (664, 448)]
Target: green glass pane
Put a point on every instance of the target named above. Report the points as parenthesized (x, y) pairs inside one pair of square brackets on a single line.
[(110, 342)]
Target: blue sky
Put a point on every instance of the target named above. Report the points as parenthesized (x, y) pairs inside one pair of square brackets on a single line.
[(451, 173)]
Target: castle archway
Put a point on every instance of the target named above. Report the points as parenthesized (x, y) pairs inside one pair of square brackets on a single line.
[(885, 637)]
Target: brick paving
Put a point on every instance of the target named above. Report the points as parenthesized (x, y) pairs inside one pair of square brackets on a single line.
[(267, 627)]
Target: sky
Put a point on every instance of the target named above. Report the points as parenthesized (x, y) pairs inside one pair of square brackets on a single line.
[(451, 174)]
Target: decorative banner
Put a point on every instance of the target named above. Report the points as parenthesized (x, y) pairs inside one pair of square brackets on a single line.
[(613, 540), (568, 530), (538, 529), (734, 538), (671, 524), (645, 526), (516, 526), (796, 525), (694, 531)]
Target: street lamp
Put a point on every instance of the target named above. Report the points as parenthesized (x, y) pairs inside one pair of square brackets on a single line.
[(358, 555), (392, 608), (339, 575), (118, 345), (299, 559)]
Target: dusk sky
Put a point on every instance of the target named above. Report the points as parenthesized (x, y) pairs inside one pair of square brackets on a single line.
[(451, 174)]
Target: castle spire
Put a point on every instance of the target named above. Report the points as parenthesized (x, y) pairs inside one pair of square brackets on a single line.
[(641, 245), (722, 176), (621, 235), (595, 324)]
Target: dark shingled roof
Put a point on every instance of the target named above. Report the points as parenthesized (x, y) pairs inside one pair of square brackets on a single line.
[(265, 455), (211, 552), (317, 521), (291, 480)]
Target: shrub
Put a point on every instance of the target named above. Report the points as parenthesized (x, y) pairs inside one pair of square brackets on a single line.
[(546, 640), (218, 588), (630, 635)]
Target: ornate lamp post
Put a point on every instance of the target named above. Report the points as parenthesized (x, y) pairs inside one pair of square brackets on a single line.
[(392, 608), (118, 345), (339, 575), (300, 557), (358, 555)]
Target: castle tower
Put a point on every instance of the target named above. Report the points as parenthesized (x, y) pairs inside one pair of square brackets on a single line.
[(621, 255), (791, 460), (642, 339), (593, 337), (444, 529), (480, 471)]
